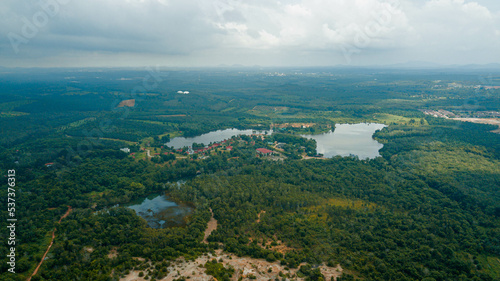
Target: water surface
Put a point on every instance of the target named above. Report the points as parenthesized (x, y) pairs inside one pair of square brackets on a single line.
[(160, 212), (349, 140), (214, 136)]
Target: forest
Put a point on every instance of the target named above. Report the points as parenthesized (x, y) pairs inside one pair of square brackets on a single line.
[(427, 209)]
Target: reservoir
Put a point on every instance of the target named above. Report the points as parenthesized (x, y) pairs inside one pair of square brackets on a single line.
[(349, 139), (215, 136), (160, 212)]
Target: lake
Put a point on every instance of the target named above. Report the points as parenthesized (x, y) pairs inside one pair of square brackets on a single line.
[(160, 212), (349, 139), (215, 136)]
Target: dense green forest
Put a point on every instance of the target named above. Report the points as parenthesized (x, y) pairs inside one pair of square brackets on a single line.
[(427, 209)]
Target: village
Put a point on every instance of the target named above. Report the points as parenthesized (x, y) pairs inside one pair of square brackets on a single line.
[(271, 147)]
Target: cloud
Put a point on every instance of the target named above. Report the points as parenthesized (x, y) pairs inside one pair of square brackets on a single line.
[(455, 31), (235, 31)]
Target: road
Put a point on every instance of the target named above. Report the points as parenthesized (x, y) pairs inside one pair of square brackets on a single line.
[(50, 245)]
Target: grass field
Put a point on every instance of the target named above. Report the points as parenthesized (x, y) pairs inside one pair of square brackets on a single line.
[(391, 119), (12, 114), (490, 265)]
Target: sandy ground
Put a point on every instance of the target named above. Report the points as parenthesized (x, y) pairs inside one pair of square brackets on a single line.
[(128, 103), (258, 216), (490, 121), (211, 226), (113, 253), (309, 157), (244, 267)]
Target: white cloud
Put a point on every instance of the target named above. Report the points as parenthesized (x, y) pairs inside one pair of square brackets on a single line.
[(237, 30), (455, 31)]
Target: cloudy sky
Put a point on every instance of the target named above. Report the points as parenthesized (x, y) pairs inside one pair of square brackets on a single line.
[(100, 33)]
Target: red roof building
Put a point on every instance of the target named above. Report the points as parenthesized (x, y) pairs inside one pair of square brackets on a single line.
[(264, 151)]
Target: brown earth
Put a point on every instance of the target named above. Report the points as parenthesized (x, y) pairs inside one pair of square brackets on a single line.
[(258, 216), (211, 226), (279, 247), (127, 103), (489, 121), (50, 245), (113, 253), (244, 267), (88, 249)]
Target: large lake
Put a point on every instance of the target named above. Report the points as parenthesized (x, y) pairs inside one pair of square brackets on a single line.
[(349, 139), (215, 136), (160, 212)]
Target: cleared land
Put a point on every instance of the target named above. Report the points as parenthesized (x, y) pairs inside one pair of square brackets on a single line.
[(245, 267), (211, 226), (489, 121), (51, 243), (128, 103)]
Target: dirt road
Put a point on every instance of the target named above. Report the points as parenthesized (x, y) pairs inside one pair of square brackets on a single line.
[(211, 226), (51, 243)]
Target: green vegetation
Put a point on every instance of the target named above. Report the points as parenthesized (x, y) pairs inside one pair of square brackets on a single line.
[(218, 270), (428, 209)]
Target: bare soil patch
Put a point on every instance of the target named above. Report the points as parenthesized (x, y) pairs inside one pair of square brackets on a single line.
[(50, 245), (88, 249), (489, 121), (127, 103), (244, 267), (258, 216), (278, 246), (113, 253), (211, 226)]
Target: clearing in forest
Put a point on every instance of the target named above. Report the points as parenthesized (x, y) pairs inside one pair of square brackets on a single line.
[(211, 226)]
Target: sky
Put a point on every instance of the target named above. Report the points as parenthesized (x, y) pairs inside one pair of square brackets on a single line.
[(198, 33)]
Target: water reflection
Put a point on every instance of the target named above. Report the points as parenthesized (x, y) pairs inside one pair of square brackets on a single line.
[(215, 136), (160, 212), (349, 140)]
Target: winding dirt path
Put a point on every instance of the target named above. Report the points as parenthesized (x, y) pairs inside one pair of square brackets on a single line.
[(50, 245), (258, 216), (211, 226)]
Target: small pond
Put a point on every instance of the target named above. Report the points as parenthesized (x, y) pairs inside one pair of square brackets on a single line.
[(349, 140), (160, 212)]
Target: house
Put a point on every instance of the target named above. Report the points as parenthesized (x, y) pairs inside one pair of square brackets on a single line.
[(49, 164), (229, 148), (126, 149), (264, 151)]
